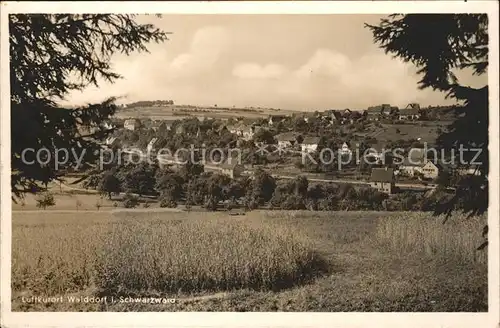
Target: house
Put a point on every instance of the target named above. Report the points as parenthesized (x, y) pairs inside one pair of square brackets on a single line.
[(374, 113), (174, 162), (230, 168), (413, 163), (335, 115), (151, 144), (165, 126), (377, 152), (86, 130), (256, 127), (356, 116), (275, 119), (345, 150), (382, 179), (235, 129), (346, 113), (248, 132), (389, 111), (110, 141), (288, 139), (242, 130), (417, 163), (108, 125), (132, 124), (410, 113), (222, 129), (430, 170), (469, 170), (310, 144)]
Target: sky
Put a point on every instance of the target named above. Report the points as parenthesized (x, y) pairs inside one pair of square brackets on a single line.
[(298, 62)]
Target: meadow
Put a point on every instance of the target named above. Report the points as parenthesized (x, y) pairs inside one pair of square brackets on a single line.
[(262, 261)]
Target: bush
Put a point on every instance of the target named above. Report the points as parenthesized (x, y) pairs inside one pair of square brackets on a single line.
[(168, 202), (130, 201), (146, 204), (45, 200)]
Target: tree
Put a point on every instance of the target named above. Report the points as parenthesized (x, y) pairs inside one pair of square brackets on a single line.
[(140, 179), (216, 185), (301, 184), (440, 44), (109, 184), (261, 188), (170, 186), (265, 136), (51, 55), (44, 200), (130, 201)]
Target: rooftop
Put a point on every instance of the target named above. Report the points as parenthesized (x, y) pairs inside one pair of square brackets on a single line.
[(311, 140), (382, 175), (287, 136)]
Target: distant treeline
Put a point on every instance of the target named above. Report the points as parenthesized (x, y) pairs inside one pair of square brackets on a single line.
[(149, 103)]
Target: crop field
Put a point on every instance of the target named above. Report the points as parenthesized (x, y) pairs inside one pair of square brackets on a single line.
[(261, 261), (179, 112)]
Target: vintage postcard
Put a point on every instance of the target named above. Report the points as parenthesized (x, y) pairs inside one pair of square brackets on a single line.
[(218, 164)]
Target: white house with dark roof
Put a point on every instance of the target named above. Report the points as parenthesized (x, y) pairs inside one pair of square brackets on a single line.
[(230, 168), (382, 179), (344, 149), (288, 139), (310, 144), (431, 170)]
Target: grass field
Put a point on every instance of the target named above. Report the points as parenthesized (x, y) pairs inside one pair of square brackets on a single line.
[(263, 261)]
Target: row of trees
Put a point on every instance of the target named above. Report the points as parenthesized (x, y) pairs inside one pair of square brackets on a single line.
[(191, 186)]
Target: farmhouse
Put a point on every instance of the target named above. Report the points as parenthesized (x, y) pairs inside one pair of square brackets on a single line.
[(310, 144), (410, 113), (288, 139), (132, 124), (373, 113), (382, 179), (413, 163), (230, 168), (431, 170)]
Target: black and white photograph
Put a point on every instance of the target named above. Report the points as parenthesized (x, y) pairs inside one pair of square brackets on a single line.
[(232, 161)]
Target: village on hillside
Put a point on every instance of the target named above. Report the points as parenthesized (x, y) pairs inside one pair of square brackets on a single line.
[(348, 148)]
